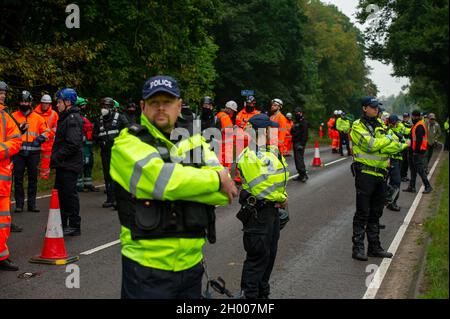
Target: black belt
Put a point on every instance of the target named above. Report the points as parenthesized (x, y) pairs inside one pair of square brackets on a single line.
[(363, 167)]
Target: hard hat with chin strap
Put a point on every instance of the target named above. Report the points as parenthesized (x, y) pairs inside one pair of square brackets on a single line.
[(46, 99), (278, 101)]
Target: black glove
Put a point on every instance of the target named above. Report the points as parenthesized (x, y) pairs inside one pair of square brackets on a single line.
[(23, 128), (38, 141)]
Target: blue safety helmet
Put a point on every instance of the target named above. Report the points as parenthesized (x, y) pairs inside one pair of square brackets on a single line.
[(67, 94)]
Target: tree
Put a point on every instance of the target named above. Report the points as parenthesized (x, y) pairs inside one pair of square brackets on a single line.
[(413, 35)]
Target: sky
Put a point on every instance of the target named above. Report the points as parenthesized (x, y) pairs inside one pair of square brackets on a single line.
[(381, 73)]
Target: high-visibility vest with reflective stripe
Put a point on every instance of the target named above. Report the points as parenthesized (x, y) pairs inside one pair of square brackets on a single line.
[(400, 144), (367, 147), (401, 128), (282, 130), (243, 117), (343, 125), (140, 169), (263, 174), (10, 143), (423, 146), (37, 127), (51, 118)]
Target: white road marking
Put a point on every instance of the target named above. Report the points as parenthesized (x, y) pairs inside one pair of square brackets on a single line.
[(327, 164), (375, 284), (50, 195), (336, 161), (94, 250)]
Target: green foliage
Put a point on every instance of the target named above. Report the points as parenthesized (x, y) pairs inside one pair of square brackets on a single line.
[(413, 35), (339, 56), (304, 52)]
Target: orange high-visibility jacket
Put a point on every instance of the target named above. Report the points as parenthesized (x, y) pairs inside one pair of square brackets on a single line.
[(51, 118), (282, 129), (330, 125), (225, 120), (424, 144), (242, 117), (37, 127), (10, 142), (242, 138)]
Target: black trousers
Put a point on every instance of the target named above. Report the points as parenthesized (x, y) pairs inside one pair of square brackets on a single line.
[(299, 158), (369, 209), (29, 161), (109, 183), (344, 138), (395, 179), (405, 163), (261, 236), (69, 202), (139, 282), (418, 165)]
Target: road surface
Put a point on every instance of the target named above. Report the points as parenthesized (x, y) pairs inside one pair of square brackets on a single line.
[(314, 254)]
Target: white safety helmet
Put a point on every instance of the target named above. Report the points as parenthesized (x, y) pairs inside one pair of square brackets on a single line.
[(335, 112), (232, 105), (46, 99), (278, 101), (289, 115), (339, 112)]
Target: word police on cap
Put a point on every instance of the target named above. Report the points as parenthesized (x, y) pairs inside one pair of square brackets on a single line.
[(160, 82)]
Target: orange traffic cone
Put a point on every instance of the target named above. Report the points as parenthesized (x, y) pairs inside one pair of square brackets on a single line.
[(54, 251), (316, 161)]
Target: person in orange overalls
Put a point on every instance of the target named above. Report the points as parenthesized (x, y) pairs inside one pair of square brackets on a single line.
[(288, 139), (10, 142), (279, 118), (333, 134), (242, 118), (226, 127), (35, 133), (44, 109)]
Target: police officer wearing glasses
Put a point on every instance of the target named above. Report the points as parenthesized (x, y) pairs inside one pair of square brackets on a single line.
[(264, 177)]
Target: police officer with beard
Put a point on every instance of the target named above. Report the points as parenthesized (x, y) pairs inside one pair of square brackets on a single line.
[(106, 129)]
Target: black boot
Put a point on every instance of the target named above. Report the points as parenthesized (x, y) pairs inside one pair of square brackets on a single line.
[(358, 243), (71, 231), (428, 189), (15, 229), (18, 209), (373, 237), (378, 252), (394, 207), (8, 265), (33, 209), (107, 204), (410, 190), (91, 188)]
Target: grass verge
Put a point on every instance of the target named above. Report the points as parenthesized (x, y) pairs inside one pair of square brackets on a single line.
[(436, 268), (45, 186)]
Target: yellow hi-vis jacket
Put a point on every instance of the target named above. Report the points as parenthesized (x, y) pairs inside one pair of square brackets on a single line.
[(343, 125), (139, 168), (374, 149), (263, 174)]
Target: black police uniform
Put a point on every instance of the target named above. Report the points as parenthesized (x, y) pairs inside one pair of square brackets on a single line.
[(67, 159), (106, 129), (299, 134)]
